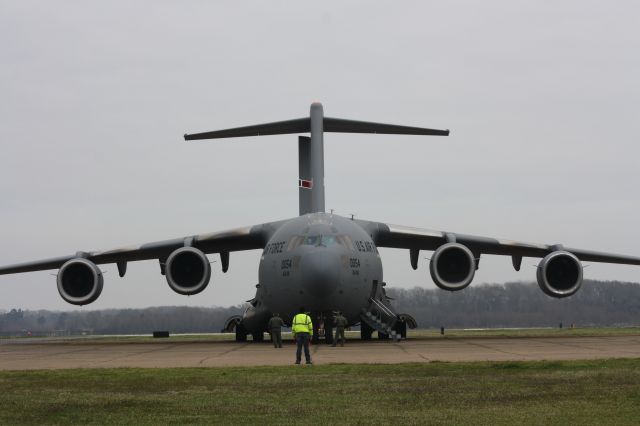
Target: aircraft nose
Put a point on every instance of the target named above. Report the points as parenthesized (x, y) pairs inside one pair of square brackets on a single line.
[(320, 272)]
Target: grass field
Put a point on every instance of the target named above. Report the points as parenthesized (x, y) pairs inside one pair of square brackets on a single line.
[(585, 392)]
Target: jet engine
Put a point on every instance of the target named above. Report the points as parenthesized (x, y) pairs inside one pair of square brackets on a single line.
[(80, 281), (560, 274), (188, 271), (452, 266)]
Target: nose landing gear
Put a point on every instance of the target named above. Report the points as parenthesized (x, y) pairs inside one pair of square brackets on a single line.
[(323, 328), (365, 331)]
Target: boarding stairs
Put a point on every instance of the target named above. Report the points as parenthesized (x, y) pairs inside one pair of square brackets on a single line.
[(380, 318)]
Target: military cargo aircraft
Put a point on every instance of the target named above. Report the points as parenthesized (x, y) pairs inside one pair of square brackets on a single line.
[(319, 260)]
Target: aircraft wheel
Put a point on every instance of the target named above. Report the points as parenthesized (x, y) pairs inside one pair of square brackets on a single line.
[(241, 333), (258, 337), (328, 335), (401, 328), (316, 332), (365, 331)]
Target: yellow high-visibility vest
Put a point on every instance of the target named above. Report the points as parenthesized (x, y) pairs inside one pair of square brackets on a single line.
[(302, 324)]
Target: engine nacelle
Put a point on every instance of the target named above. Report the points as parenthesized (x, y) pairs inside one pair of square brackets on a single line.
[(80, 281), (559, 274), (188, 271), (452, 266)]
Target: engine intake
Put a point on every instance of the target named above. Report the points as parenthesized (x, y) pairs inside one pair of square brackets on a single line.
[(452, 267), (80, 281), (560, 274), (188, 271)]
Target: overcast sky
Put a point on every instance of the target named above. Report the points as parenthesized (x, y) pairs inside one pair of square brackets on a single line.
[(542, 99)]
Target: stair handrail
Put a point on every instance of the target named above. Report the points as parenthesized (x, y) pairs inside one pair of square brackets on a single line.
[(381, 306)]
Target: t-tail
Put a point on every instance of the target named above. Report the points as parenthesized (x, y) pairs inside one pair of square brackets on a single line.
[(311, 149)]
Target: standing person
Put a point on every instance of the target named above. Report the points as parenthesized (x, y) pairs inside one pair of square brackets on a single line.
[(341, 323), (275, 328), (302, 329)]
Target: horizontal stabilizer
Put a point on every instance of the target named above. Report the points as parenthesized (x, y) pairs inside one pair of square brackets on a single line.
[(300, 125), (303, 125), (352, 126)]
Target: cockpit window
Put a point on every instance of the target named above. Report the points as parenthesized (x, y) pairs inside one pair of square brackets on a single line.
[(312, 240), (328, 240), (345, 240), (295, 242), (320, 240)]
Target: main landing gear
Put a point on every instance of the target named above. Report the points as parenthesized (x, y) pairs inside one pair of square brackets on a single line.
[(241, 333), (258, 337), (365, 331)]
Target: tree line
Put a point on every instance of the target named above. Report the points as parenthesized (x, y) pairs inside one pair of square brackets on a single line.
[(598, 303), (517, 304), (176, 319)]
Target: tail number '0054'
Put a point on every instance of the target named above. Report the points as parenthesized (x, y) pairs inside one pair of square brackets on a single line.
[(285, 266), (354, 262)]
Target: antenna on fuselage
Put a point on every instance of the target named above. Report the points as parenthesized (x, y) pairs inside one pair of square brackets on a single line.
[(311, 149)]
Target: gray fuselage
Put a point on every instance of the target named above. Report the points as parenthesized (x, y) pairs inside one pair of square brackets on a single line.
[(321, 261)]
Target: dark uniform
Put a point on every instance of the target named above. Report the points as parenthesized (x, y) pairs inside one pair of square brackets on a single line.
[(341, 323), (275, 328), (302, 329)]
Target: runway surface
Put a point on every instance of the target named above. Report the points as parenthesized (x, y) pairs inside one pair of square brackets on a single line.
[(55, 354)]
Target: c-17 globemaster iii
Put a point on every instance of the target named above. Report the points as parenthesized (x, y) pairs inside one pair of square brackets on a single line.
[(319, 260)]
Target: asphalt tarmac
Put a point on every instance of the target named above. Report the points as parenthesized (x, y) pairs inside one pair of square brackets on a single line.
[(57, 354)]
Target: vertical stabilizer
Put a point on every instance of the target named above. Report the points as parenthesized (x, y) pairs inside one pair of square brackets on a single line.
[(317, 157), (305, 182)]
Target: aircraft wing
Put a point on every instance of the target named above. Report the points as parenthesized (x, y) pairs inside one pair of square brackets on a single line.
[(398, 236), (247, 238)]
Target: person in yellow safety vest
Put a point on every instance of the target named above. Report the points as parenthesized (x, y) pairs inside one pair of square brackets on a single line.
[(302, 329)]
